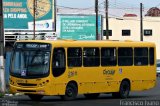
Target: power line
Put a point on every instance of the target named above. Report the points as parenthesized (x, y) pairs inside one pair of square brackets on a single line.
[(119, 6), (133, 19), (75, 8), (81, 8), (127, 8), (122, 4)]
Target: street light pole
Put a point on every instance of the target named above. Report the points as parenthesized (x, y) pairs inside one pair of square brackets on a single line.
[(107, 26), (34, 18), (141, 21), (55, 13), (96, 11), (2, 70)]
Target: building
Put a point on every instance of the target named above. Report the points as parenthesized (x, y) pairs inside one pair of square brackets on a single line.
[(154, 12), (128, 28), (129, 15)]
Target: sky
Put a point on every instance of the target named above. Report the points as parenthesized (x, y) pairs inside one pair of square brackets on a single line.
[(116, 7), (89, 3)]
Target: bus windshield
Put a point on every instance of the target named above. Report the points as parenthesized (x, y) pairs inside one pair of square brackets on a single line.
[(30, 63)]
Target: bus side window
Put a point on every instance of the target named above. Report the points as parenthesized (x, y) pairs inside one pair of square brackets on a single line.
[(141, 56), (108, 57), (125, 56), (151, 56), (59, 62), (74, 57), (91, 57)]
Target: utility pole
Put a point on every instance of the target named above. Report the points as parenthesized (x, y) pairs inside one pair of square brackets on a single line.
[(2, 69), (96, 11), (55, 13), (141, 21), (107, 26), (34, 18)]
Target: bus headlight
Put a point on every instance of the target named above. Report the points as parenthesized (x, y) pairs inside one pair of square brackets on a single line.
[(40, 85)]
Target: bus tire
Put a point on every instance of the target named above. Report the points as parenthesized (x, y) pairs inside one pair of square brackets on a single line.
[(124, 90), (92, 96), (115, 95), (35, 97), (71, 92)]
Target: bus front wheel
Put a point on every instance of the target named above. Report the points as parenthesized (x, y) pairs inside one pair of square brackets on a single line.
[(35, 97), (124, 90), (71, 92)]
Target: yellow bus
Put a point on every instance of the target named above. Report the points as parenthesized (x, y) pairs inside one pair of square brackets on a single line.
[(67, 68)]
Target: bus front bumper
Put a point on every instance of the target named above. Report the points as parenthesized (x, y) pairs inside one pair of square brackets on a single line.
[(35, 90)]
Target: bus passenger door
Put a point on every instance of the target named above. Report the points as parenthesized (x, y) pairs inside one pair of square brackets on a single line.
[(58, 69)]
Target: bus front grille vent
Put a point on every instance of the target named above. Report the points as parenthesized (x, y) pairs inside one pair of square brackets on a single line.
[(26, 90), (26, 84)]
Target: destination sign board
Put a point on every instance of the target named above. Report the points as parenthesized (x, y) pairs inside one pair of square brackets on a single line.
[(32, 46)]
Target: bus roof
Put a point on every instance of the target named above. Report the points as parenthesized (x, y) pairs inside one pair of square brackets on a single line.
[(98, 43)]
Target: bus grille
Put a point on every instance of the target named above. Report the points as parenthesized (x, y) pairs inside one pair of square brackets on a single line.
[(26, 90), (26, 84)]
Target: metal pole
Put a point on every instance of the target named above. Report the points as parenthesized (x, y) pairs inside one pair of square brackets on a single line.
[(141, 21), (2, 70), (107, 26), (96, 11), (55, 13), (34, 19)]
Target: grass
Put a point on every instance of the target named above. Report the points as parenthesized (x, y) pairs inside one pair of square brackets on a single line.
[(1, 94)]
